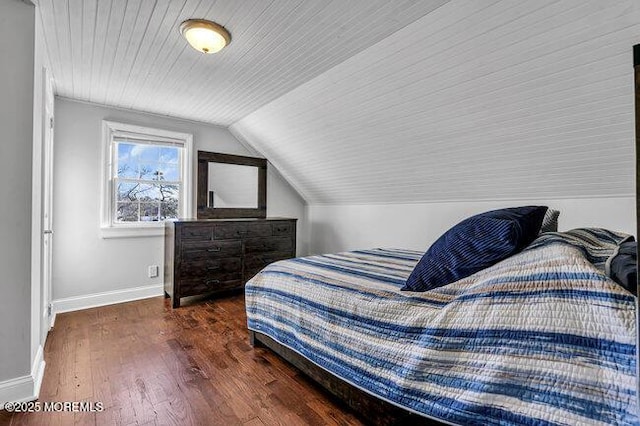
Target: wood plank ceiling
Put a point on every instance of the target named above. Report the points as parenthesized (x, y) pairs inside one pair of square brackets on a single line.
[(377, 101), (478, 100), (129, 53)]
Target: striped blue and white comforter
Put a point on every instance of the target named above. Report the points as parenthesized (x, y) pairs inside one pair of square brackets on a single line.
[(543, 337)]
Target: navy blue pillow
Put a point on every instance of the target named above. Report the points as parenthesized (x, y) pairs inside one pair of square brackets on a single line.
[(475, 244)]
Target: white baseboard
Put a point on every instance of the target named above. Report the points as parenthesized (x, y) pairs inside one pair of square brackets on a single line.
[(101, 299), (25, 388), (37, 371)]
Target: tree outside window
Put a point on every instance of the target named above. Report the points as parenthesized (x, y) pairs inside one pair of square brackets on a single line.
[(147, 182)]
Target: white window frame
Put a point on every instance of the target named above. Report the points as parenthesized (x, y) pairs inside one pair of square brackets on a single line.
[(109, 228)]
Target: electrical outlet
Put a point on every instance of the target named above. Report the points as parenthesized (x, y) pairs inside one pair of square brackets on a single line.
[(153, 271)]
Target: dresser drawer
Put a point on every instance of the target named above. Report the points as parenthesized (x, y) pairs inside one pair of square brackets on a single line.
[(196, 233), (260, 260), (281, 229), (196, 286), (210, 250), (255, 263), (264, 245), (194, 268), (241, 230)]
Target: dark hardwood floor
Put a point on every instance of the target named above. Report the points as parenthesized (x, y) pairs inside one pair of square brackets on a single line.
[(150, 365)]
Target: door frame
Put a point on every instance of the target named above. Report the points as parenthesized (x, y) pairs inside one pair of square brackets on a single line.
[(46, 241)]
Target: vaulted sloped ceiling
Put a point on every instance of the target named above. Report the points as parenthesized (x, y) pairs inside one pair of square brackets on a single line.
[(129, 53), (476, 100), (376, 101)]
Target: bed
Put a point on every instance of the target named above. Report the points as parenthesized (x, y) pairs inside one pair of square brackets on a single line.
[(542, 337)]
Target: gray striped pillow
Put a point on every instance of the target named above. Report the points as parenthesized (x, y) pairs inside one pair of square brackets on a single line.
[(550, 221)]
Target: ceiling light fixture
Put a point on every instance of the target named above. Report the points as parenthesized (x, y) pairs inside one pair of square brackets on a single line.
[(205, 36)]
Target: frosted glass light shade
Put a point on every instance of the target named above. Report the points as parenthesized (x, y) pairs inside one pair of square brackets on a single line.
[(205, 36)]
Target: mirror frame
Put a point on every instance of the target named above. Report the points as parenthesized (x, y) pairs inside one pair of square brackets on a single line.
[(205, 212)]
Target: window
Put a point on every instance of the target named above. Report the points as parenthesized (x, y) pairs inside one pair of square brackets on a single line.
[(146, 179)]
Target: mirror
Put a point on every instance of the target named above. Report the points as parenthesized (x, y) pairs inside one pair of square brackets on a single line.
[(231, 186)]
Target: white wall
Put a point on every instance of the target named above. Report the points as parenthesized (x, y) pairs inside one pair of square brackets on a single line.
[(17, 116), (85, 263), (337, 228)]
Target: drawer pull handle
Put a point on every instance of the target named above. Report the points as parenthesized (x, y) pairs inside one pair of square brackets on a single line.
[(242, 233), (212, 250), (213, 268), (212, 282)]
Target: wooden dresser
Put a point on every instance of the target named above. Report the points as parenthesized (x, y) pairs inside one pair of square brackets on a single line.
[(217, 255)]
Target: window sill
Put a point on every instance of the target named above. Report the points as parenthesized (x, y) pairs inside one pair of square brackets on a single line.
[(132, 231)]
